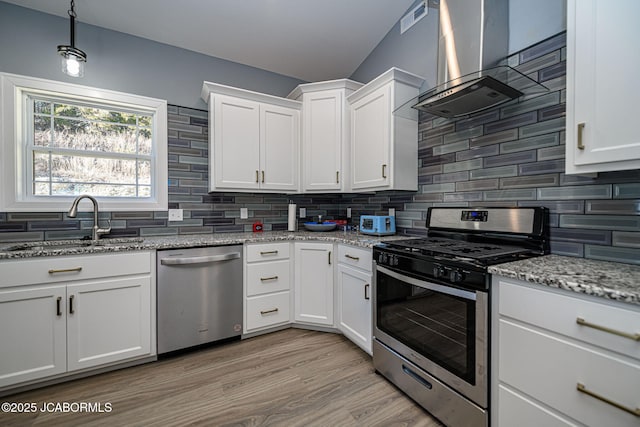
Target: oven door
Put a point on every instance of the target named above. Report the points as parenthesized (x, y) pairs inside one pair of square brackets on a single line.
[(440, 328)]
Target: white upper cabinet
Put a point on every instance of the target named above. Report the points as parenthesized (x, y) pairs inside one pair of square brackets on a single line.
[(384, 146), (325, 134), (602, 93), (254, 140)]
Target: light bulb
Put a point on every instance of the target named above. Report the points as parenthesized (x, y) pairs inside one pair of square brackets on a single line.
[(72, 67)]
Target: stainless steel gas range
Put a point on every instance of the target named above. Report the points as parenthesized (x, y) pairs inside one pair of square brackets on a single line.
[(431, 305)]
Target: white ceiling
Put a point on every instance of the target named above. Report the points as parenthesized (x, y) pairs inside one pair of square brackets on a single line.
[(311, 40)]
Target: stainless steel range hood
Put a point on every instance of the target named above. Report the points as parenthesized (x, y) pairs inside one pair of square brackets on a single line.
[(472, 72)]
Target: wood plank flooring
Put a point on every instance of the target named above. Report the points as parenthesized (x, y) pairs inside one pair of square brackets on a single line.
[(289, 378)]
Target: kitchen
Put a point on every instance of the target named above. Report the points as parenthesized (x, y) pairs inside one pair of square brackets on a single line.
[(517, 157)]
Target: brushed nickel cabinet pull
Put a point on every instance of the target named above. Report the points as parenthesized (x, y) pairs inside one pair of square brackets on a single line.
[(634, 337), (355, 258), (329, 257), (337, 177), (268, 252), (71, 304), (273, 310), (263, 177), (580, 129), (366, 291), (384, 171), (58, 308), (65, 270), (257, 177), (264, 279), (583, 389)]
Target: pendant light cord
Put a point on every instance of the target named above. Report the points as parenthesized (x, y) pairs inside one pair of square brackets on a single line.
[(72, 11)]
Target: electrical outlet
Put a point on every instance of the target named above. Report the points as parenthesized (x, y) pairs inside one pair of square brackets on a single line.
[(348, 212), (175, 215), (244, 213), (392, 211), (303, 212)]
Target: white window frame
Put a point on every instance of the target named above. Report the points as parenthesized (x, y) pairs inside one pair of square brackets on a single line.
[(14, 194)]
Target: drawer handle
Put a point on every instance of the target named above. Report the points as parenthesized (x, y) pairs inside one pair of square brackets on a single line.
[(355, 258), (65, 270), (264, 279), (58, 308), (583, 389), (268, 252), (580, 129), (71, 298), (366, 291), (634, 337), (273, 310)]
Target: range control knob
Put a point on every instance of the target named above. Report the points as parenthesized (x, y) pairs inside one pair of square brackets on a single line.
[(439, 271), (393, 260), (456, 276)]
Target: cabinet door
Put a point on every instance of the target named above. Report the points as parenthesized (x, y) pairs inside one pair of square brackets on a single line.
[(354, 306), (235, 156), (370, 139), (322, 140), (602, 93), (32, 335), (279, 140), (314, 283), (108, 321)]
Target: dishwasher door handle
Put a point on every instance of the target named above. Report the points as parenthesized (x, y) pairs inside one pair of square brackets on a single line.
[(200, 259)]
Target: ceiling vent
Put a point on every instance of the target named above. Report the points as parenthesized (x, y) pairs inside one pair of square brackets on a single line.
[(411, 18)]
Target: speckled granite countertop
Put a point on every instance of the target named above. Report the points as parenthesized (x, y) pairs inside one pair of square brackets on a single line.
[(611, 280), (20, 250)]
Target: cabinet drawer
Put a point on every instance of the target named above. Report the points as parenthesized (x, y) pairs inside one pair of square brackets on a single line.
[(267, 251), (517, 410), (268, 277), (268, 310), (559, 313), (548, 369), (70, 268), (357, 257)]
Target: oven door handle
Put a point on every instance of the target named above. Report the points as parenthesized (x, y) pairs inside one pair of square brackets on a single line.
[(449, 290)]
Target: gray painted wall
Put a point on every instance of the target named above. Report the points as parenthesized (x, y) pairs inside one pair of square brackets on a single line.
[(117, 61)]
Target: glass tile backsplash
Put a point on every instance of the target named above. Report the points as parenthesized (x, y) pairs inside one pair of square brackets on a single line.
[(508, 156)]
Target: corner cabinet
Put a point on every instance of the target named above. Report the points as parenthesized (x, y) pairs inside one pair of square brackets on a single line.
[(313, 283), (563, 358), (602, 93), (354, 309), (384, 145), (67, 314), (254, 140), (325, 134)]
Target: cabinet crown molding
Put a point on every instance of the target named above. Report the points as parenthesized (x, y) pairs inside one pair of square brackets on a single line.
[(326, 85), (392, 74), (217, 88)]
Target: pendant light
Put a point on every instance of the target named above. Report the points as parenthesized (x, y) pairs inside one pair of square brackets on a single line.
[(73, 59)]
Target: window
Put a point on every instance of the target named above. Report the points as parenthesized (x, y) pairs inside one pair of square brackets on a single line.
[(61, 140)]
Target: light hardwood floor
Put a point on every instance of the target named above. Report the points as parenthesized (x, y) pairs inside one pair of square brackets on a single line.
[(293, 377)]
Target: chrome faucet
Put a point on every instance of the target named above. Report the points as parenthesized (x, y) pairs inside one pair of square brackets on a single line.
[(96, 231)]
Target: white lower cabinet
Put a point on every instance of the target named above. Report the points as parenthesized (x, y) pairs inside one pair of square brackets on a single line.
[(354, 289), (33, 333), (564, 359), (65, 314), (313, 288), (267, 286), (108, 321)]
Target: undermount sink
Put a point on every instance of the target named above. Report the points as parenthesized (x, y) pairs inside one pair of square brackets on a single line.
[(66, 244), (323, 226)]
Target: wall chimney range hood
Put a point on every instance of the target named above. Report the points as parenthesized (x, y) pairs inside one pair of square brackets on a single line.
[(472, 73)]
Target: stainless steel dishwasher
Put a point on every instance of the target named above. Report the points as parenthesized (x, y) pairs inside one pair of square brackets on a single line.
[(199, 296)]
